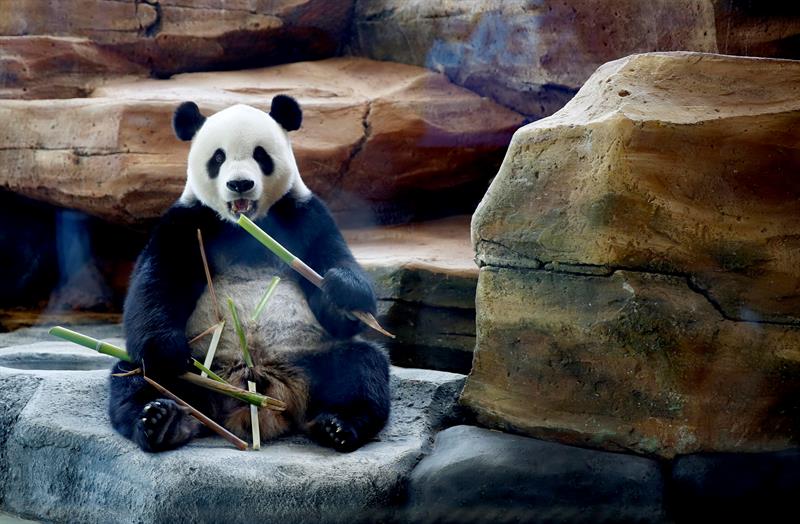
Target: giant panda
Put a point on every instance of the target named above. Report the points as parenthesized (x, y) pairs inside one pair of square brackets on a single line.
[(306, 347)]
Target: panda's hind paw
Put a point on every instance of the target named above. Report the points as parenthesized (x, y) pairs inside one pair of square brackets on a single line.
[(163, 425), (331, 431)]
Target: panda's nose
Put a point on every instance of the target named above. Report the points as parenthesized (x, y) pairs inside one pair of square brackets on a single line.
[(240, 186)]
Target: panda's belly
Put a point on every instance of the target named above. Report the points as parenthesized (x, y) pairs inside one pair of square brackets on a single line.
[(286, 324)]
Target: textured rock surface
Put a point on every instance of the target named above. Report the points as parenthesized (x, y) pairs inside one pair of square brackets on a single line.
[(60, 460), (172, 36), (476, 475), (379, 137), (630, 361), (642, 286), (673, 163), (530, 56), (52, 67), (425, 279)]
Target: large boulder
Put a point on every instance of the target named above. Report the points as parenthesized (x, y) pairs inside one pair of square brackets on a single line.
[(530, 56), (172, 36), (60, 461), (641, 281), (378, 139)]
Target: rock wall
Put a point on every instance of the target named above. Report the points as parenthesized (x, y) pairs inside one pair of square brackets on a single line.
[(379, 142), (534, 56), (640, 287), (171, 36)]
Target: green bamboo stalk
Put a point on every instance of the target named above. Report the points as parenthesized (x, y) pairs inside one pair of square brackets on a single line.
[(237, 325), (208, 372), (267, 295), (262, 236), (91, 343), (304, 269)]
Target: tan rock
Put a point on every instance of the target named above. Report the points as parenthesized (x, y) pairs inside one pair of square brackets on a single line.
[(675, 163), (631, 361), (425, 279), (652, 226), (172, 36), (375, 136), (530, 56), (58, 67)]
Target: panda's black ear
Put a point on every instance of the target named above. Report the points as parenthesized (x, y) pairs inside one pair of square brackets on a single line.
[(187, 120), (286, 111)]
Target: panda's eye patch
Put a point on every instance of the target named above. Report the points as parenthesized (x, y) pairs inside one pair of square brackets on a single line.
[(264, 161), (214, 163)]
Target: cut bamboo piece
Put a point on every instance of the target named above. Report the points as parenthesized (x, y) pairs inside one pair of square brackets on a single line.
[(212, 348), (232, 391), (203, 335), (301, 267), (219, 430), (254, 418)]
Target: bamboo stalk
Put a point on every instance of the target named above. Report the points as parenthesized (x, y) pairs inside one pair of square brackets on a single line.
[(232, 391), (91, 343), (301, 267), (219, 430), (256, 399), (208, 276), (267, 296), (237, 325)]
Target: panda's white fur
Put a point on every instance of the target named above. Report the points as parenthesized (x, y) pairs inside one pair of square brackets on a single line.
[(238, 130)]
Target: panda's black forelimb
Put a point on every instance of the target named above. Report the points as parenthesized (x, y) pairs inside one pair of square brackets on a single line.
[(167, 281)]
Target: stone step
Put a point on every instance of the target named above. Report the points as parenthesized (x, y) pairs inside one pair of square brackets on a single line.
[(425, 279), (60, 461)]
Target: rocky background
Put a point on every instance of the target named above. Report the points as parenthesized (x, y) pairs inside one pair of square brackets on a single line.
[(634, 261)]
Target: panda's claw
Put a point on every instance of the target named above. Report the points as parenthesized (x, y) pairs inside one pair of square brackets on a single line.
[(329, 430)]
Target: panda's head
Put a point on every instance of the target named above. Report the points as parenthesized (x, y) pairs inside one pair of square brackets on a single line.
[(240, 160)]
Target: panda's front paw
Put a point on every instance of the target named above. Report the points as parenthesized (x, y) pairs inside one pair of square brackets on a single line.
[(163, 425), (333, 432), (343, 290)]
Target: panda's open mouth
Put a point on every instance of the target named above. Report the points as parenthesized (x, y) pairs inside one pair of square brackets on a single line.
[(242, 206)]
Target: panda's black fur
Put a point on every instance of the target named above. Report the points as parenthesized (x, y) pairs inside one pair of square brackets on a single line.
[(337, 388)]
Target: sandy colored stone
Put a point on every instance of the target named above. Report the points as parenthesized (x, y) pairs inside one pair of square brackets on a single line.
[(673, 163), (629, 362), (379, 140), (58, 67), (641, 281), (425, 279), (530, 56), (171, 36)]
